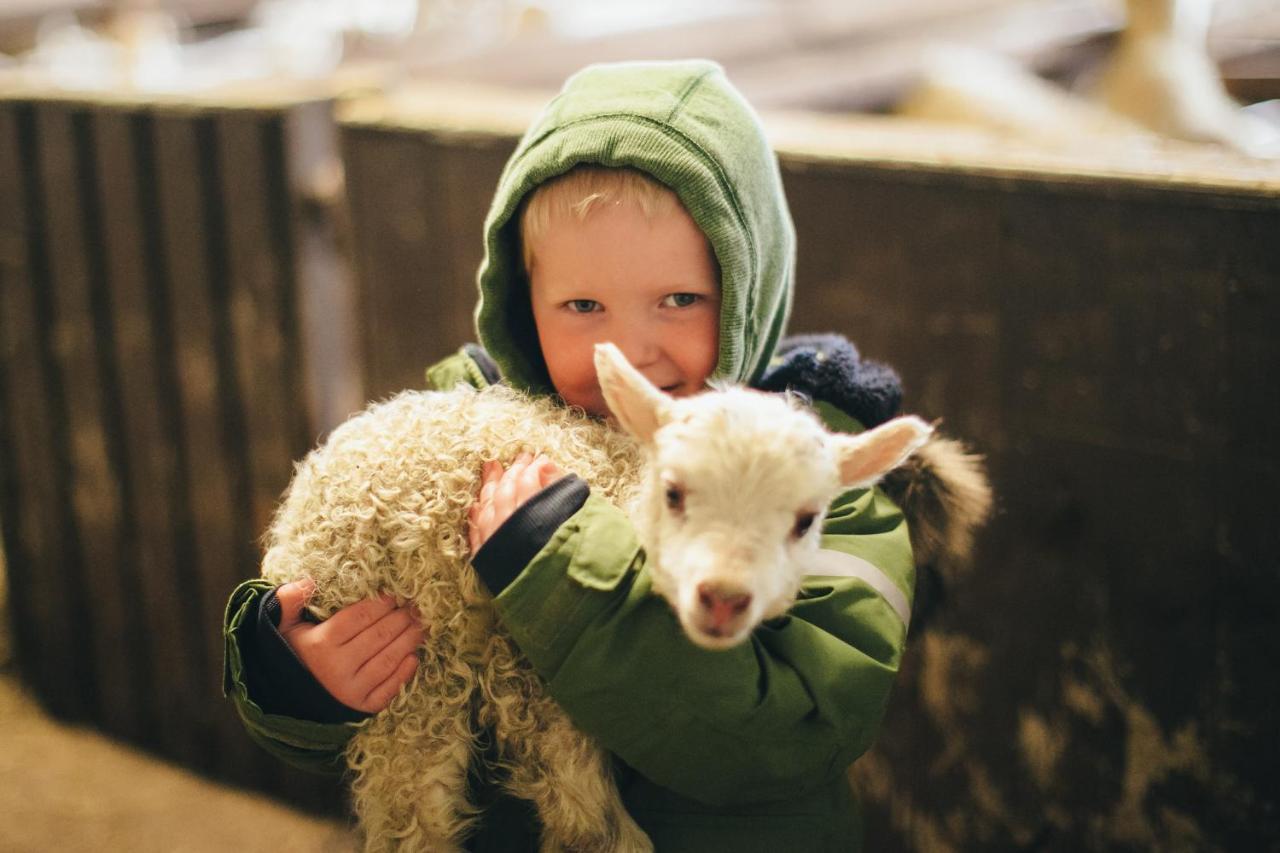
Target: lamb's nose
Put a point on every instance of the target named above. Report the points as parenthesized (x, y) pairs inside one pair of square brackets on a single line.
[(722, 604)]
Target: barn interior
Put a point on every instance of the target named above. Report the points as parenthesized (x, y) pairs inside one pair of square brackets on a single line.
[(226, 225)]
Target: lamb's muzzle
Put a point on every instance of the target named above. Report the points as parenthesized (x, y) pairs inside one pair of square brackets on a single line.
[(722, 608)]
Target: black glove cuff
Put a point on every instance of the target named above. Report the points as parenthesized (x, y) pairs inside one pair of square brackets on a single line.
[(279, 682)]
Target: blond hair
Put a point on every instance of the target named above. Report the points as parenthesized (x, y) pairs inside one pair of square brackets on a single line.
[(583, 189)]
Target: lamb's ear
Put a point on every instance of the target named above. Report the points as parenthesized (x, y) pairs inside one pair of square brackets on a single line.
[(639, 407), (868, 456)]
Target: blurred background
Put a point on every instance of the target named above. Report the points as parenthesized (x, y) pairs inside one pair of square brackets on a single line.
[(226, 224)]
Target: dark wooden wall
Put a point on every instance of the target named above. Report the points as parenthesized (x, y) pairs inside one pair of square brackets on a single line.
[(417, 201), (1103, 677), (153, 394)]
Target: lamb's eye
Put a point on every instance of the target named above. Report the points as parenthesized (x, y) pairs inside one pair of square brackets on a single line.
[(803, 522), (675, 498)]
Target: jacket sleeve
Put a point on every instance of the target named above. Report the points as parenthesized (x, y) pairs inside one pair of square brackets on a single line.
[(782, 713), (306, 744)]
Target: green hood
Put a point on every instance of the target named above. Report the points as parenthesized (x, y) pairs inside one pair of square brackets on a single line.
[(685, 125)]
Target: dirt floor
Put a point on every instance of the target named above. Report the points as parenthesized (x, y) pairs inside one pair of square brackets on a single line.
[(69, 789)]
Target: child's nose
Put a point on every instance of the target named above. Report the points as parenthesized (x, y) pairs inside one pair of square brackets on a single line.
[(639, 346)]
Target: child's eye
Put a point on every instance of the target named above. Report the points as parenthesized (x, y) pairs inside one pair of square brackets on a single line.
[(681, 300), (582, 306)]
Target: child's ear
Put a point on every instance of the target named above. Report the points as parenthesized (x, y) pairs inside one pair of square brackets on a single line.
[(639, 407), (868, 456)]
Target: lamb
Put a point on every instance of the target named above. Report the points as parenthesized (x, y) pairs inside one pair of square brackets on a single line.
[(727, 490)]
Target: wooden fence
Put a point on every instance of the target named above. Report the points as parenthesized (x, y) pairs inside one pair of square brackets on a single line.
[(162, 268)]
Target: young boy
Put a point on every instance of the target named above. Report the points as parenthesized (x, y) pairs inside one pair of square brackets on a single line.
[(643, 207)]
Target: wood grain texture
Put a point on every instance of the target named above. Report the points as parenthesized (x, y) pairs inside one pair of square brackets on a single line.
[(39, 550), (158, 550), (154, 392)]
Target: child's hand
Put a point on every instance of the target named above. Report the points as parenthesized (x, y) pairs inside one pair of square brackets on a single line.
[(362, 655), (502, 492)]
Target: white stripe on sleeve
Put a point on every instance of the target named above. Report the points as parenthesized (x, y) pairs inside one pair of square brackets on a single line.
[(839, 564)]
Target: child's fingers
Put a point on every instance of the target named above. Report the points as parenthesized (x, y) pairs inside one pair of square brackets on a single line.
[(352, 620), (380, 697), (499, 496), (530, 482), (382, 665), (473, 528), (504, 497), (549, 474), (490, 485), (370, 642), (293, 597), (486, 523)]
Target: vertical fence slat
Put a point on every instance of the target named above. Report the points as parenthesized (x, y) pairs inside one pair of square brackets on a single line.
[(211, 426), (397, 259), (469, 176), (70, 680), (262, 340), (306, 149), (94, 488), (134, 273), (35, 542), (117, 584)]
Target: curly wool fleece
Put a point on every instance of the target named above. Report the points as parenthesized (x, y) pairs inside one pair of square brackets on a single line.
[(382, 507)]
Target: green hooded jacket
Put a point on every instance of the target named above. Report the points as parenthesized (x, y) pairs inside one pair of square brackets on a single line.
[(746, 749)]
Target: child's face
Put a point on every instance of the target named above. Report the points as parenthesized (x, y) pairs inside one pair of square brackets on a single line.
[(648, 285)]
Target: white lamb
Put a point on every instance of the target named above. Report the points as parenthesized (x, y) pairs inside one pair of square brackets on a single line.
[(727, 490)]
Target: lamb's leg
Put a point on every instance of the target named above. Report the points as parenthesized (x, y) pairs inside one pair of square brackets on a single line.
[(569, 780), (409, 792)]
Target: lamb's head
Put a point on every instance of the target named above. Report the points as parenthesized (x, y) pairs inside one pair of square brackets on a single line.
[(735, 490)]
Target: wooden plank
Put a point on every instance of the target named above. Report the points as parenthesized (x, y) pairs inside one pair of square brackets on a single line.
[(148, 396), (211, 441), (73, 662), (100, 595), (391, 190), (470, 178), (261, 298), (325, 304), (16, 559), (117, 589), (1245, 745), (33, 510)]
